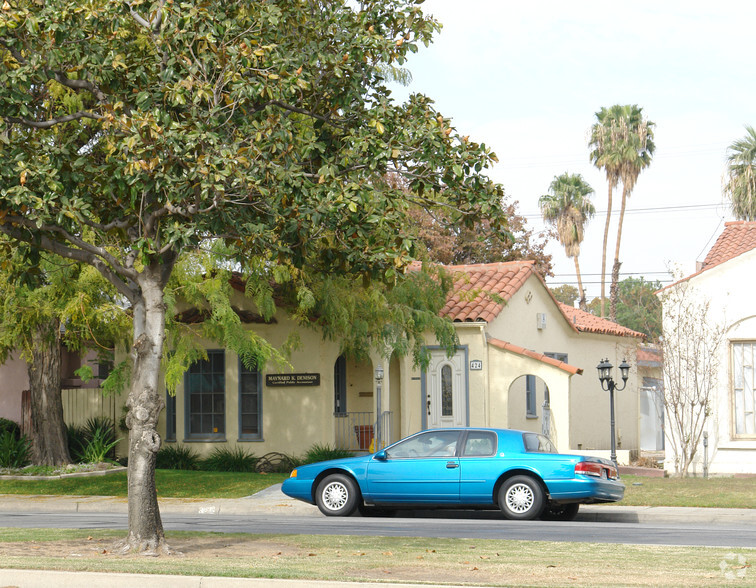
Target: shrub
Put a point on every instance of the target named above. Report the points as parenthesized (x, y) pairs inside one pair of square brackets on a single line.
[(76, 441), (275, 462), (94, 442), (224, 459), (12, 426), (14, 451), (319, 452), (177, 457), (100, 446)]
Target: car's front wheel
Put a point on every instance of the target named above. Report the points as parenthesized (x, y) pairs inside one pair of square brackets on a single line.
[(337, 496), (521, 498)]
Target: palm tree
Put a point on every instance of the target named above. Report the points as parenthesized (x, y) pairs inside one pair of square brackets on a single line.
[(740, 185), (567, 207), (622, 142)]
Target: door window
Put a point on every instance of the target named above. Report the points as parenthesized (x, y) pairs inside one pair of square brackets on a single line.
[(428, 444)]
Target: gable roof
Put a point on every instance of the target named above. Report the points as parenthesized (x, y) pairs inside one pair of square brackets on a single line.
[(738, 237), (481, 290), (589, 323)]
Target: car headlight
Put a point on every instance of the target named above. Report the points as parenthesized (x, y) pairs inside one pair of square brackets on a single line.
[(293, 474)]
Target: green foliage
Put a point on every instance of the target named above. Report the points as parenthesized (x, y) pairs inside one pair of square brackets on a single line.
[(94, 442), (9, 425), (99, 446), (177, 457), (224, 459), (15, 452), (325, 452), (639, 308), (740, 184), (566, 294)]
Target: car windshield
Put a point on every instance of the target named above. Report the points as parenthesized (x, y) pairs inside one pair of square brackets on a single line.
[(537, 443)]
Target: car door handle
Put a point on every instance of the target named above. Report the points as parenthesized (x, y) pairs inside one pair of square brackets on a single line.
[(452, 464)]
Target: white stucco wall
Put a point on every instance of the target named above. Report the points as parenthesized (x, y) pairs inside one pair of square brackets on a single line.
[(730, 289)]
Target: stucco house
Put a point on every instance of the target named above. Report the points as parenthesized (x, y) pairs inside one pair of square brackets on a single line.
[(727, 280), (524, 361)]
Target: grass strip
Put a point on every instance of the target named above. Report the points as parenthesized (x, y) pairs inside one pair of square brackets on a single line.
[(169, 483), (397, 559)]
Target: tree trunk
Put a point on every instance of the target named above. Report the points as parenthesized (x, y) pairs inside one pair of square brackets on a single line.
[(583, 303), (48, 430), (145, 403), (614, 290), (603, 251)]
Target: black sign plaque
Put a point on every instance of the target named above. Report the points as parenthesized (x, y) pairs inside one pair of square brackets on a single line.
[(273, 380)]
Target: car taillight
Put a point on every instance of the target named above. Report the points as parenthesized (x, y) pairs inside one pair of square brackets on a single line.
[(598, 470)]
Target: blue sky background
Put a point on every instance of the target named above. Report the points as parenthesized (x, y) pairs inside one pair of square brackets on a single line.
[(527, 77)]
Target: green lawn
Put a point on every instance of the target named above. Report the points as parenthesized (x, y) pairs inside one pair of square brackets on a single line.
[(711, 492), (704, 492), (170, 483)]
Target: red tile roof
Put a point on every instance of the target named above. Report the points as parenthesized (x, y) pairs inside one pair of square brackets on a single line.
[(588, 323), (737, 238), (539, 356), (481, 290), (649, 356)]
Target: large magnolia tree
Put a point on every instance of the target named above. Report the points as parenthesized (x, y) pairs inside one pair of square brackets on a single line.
[(133, 131)]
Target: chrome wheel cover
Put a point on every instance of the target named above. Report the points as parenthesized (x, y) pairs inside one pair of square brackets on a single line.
[(335, 496), (519, 498)]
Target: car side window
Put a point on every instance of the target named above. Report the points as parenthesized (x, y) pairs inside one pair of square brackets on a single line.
[(428, 444), (479, 444), (537, 443)]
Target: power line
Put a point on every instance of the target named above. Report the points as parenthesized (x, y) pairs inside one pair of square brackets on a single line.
[(680, 208)]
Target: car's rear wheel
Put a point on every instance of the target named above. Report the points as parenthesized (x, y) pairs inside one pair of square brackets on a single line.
[(560, 512), (337, 496), (521, 498)]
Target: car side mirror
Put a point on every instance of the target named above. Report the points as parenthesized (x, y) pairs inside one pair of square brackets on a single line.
[(381, 455)]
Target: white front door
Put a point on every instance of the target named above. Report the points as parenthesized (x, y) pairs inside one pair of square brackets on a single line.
[(446, 390)]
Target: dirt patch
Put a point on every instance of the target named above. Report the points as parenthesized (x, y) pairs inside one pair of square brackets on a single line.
[(204, 548)]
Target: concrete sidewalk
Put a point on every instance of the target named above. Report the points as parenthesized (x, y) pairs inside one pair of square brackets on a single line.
[(272, 500)]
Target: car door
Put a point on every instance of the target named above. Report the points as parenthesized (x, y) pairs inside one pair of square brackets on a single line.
[(479, 467), (423, 469)]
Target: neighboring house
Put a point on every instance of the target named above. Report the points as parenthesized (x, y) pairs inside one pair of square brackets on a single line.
[(727, 279), (649, 361), (81, 400), (524, 361)]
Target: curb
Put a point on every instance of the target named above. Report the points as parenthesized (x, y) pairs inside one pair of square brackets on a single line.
[(272, 500)]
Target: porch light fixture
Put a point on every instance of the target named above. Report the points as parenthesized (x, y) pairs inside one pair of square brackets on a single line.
[(607, 383)]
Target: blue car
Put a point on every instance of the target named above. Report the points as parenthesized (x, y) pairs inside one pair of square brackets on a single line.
[(519, 472)]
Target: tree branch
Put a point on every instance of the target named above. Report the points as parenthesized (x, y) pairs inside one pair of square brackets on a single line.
[(80, 255), (46, 124)]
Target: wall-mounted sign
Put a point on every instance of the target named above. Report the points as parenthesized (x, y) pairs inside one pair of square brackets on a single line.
[(476, 364), (292, 379)]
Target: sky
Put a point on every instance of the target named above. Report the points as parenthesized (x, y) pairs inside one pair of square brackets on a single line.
[(526, 79)]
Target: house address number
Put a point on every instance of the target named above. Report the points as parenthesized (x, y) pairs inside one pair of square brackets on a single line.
[(476, 364)]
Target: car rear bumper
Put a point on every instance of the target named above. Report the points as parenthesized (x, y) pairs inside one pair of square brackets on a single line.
[(586, 489)]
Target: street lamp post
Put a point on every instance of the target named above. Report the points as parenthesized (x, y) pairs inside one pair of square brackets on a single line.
[(607, 383), (378, 382)]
